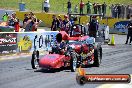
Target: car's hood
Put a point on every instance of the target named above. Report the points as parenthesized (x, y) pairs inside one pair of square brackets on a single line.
[(50, 59)]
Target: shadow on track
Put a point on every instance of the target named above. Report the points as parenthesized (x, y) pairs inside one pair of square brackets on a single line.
[(48, 70)]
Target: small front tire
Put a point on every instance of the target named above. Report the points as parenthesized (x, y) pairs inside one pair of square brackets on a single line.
[(35, 60)]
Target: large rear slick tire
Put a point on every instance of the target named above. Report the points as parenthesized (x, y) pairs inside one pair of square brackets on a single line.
[(97, 57)]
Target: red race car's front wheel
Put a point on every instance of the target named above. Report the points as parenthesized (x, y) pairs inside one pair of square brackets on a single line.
[(35, 61)]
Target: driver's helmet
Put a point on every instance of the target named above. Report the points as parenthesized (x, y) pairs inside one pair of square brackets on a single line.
[(90, 40)]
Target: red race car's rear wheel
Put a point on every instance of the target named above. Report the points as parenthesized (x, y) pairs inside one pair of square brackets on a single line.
[(97, 57), (73, 62)]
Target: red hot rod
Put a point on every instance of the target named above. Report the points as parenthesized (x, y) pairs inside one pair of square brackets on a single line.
[(77, 51)]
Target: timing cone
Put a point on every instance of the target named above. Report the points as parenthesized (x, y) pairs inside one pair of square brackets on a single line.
[(112, 42)]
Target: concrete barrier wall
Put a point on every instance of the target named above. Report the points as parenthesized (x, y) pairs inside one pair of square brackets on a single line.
[(47, 19), (110, 21)]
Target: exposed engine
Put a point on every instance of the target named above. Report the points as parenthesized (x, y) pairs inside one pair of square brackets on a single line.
[(84, 48), (85, 51)]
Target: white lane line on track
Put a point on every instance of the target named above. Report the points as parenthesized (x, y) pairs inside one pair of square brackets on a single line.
[(117, 85)]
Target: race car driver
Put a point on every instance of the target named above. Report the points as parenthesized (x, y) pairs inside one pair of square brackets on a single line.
[(59, 48)]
